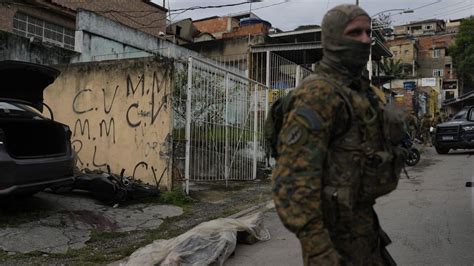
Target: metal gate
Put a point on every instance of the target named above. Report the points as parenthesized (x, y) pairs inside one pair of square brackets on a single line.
[(225, 113)]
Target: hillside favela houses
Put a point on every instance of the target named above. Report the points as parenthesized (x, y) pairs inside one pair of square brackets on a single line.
[(427, 79)]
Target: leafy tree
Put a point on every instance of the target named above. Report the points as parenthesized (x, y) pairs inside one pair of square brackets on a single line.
[(383, 24), (462, 52), (392, 67)]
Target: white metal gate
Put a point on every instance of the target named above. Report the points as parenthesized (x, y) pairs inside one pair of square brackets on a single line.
[(225, 113)]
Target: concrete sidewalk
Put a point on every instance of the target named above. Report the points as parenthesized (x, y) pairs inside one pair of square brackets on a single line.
[(76, 229), (72, 219)]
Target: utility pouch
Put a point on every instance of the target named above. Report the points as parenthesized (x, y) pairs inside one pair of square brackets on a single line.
[(338, 204), (330, 208), (379, 176)]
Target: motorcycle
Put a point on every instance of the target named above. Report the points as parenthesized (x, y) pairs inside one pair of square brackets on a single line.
[(413, 153)]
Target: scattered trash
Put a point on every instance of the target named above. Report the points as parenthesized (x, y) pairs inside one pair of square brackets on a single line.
[(109, 188), (208, 243)]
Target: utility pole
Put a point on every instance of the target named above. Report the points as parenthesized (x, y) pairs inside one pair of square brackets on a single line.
[(357, 2)]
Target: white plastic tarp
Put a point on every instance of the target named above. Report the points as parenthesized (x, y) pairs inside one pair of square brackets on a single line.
[(208, 243)]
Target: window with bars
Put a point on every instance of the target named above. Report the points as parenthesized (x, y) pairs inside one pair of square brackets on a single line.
[(436, 53), (28, 26), (438, 72)]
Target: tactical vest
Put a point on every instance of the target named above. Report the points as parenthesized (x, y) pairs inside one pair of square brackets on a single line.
[(362, 161), (361, 165)]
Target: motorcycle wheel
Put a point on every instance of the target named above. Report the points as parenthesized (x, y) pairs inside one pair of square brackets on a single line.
[(413, 157)]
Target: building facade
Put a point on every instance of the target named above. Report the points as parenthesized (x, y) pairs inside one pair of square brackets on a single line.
[(406, 52), (424, 47), (54, 22)]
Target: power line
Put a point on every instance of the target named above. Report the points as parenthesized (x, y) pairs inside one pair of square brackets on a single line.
[(276, 4), (456, 10), (207, 7), (441, 8), (430, 4)]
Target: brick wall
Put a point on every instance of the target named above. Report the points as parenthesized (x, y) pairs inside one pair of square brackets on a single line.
[(215, 26), (254, 29), (61, 17), (426, 60), (62, 12), (152, 21)]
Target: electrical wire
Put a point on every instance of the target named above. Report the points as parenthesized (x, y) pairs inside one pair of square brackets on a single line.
[(430, 4), (207, 7), (435, 15), (453, 11), (276, 4)]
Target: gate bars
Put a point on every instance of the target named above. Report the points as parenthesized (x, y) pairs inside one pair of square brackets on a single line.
[(225, 113)]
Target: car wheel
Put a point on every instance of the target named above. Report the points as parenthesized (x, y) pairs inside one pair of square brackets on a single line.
[(442, 150)]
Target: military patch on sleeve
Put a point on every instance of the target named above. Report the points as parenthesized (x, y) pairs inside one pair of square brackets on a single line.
[(310, 117), (294, 135)]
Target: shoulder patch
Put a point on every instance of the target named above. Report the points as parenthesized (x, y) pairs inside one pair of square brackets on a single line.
[(311, 118), (294, 135)]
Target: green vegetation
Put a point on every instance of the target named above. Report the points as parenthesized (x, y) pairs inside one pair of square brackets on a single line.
[(177, 197), (463, 53), (392, 68)]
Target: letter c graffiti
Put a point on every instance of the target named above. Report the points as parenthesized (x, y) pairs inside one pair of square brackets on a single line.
[(134, 105), (74, 108)]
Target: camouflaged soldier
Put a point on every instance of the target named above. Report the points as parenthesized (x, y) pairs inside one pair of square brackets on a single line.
[(336, 153), (426, 123), (412, 124)]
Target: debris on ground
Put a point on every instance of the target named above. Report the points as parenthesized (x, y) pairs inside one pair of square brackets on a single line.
[(110, 188), (208, 243)]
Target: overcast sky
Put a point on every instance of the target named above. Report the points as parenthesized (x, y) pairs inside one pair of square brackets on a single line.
[(292, 13)]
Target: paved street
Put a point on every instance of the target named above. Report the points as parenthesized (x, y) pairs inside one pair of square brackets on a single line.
[(429, 218)]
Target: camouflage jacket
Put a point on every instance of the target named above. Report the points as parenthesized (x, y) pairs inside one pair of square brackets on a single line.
[(426, 123), (324, 186)]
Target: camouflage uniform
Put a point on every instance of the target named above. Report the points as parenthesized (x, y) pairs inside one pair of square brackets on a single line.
[(329, 170), (412, 124), (426, 123), (438, 119)]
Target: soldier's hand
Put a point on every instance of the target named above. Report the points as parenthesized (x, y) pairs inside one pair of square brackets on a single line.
[(328, 258)]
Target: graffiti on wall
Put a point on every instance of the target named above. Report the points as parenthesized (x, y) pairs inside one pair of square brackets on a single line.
[(124, 117)]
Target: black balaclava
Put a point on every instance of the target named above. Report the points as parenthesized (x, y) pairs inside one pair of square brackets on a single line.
[(341, 53)]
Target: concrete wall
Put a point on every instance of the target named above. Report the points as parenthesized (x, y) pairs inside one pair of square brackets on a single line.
[(98, 37), (119, 113), (225, 47), (187, 32), (14, 47), (403, 49)]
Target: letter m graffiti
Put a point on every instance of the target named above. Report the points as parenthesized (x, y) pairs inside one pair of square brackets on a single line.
[(82, 128), (109, 129), (132, 89)]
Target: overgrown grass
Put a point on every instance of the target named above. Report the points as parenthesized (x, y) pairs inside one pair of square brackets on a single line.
[(177, 197)]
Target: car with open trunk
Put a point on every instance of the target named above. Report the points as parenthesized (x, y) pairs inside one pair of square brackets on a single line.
[(35, 151)]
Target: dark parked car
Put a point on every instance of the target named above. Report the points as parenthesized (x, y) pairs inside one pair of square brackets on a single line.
[(35, 152), (458, 133)]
